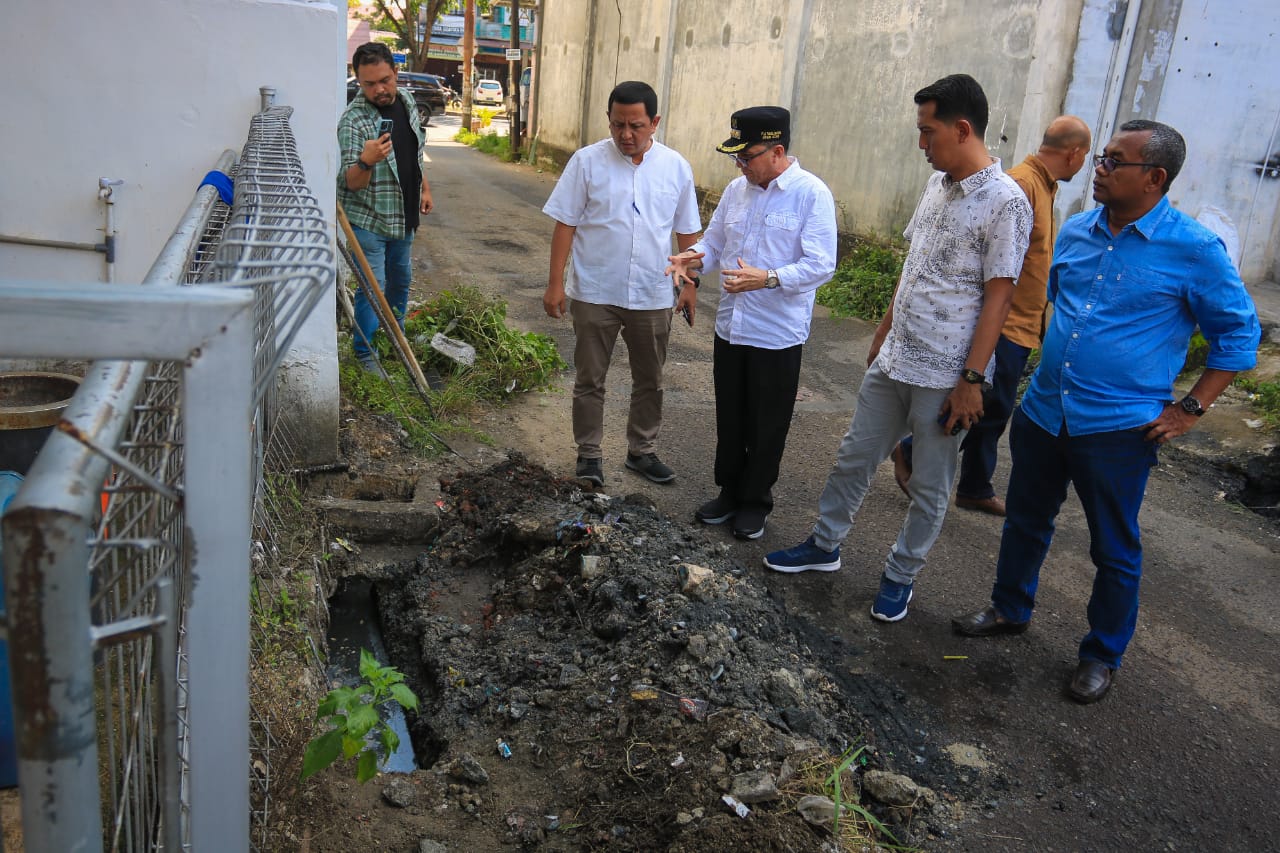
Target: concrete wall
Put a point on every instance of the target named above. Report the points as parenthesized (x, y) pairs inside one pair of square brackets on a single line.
[(846, 70), (151, 92)]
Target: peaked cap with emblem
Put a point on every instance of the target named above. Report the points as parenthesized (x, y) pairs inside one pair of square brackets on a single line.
[(770, 125)]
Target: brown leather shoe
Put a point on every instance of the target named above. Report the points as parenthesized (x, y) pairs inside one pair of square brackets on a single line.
[(992, 505), (1091, 681), (901, 468), (986, 623)]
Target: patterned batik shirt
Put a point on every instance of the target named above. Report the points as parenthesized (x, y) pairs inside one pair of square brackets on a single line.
[(379, 207), (962, 234)]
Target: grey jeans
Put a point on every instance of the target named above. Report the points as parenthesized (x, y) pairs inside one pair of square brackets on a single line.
[(886, 411)]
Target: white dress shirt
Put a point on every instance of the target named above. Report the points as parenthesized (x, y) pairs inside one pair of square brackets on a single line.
[(963, 234), (788, 227), (624, 214)]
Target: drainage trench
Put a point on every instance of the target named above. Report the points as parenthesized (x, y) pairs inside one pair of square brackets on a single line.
[(354, 625)]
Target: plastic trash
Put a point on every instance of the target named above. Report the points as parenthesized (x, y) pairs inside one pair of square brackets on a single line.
[(695, 708), (739, 807), (503, 749), (460, 351)]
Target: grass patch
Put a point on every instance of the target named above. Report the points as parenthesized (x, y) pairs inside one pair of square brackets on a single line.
[(855, 828), (864, 282), (507, 362), (487, 143), (1265, 397)]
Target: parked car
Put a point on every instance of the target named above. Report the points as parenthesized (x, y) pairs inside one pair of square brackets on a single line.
[(488, 92), (428, 93)]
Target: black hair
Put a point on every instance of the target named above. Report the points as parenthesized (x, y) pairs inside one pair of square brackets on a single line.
[(1166, 148), (957, 96), (635, 92), (371, 53)]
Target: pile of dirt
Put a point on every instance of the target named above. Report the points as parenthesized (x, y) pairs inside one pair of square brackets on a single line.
[(593, 675)]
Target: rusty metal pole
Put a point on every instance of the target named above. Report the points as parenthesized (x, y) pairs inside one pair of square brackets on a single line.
[(468, 61), (513, 78)]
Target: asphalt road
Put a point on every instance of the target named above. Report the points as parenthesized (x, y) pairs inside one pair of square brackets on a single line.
[(1184, 754)]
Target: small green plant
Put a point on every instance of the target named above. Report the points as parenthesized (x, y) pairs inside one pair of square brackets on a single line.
[(486, 143), (1265, 397), (353, 714), (833, 790), (864, 282), (1197, 353)]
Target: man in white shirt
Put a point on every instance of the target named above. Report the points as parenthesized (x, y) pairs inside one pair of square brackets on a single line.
[(773, 236), (933, 350), (616, 206)]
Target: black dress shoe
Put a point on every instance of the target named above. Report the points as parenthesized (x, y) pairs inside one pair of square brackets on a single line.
[(1091, 681), (986, 623)]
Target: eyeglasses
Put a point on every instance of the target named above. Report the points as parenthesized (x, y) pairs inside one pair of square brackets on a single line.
[(1110, 164), (741, 162)]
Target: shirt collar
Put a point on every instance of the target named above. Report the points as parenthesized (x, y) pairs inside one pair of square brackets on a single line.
[(789, 175), (1033, 163), (976, 180), (1146, 225)]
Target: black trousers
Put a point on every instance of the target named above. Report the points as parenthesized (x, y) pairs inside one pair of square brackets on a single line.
[(755, 396)]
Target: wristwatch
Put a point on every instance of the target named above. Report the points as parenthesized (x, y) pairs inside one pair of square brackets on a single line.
[(1191, 406), (771, 280), (363, 165), (973, 377)]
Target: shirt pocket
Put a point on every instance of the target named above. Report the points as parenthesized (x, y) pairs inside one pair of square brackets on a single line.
[(782, 219), (1142, 289)]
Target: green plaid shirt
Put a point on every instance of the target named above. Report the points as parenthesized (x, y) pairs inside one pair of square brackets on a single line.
[(378, 207)]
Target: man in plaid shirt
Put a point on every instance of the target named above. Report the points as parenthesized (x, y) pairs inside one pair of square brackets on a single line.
[(381, 185)]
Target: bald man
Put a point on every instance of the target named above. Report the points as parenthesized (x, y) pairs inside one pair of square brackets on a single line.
[(1063, 151)]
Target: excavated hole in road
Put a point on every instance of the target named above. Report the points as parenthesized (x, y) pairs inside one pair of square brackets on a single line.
[(536, 612)]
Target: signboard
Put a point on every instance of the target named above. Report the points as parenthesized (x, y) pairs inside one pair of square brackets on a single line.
[(513, 54), (444, 51), (399, 58)]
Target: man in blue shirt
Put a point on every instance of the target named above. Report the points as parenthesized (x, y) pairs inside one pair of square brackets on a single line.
[(1129, 283)]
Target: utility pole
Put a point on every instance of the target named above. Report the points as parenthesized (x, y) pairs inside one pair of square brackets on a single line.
[(468, 60), (513, 87)]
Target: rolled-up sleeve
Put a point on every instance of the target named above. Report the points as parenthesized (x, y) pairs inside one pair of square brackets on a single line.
[(1222, 306)]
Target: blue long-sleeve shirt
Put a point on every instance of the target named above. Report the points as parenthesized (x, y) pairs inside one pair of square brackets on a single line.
[(1124, 308)]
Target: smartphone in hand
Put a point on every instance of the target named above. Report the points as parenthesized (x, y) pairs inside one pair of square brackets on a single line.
[(942, 422), (384, 126), (688, 317)]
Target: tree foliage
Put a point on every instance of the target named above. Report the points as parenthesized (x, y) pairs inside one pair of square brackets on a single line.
[(401, 17)]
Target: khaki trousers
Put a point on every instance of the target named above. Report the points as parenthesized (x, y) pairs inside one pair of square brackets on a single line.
[(645, 334)]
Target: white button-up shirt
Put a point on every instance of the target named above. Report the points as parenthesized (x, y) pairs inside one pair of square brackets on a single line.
[(624, 214), (963, 234), (788, 227)]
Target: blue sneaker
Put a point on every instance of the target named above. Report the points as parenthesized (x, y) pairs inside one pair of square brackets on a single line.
[(891, 602), (805, 557)]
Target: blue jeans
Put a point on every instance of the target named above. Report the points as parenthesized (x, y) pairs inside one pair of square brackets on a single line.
[(978, 450), (1109, 471), (389, 260)]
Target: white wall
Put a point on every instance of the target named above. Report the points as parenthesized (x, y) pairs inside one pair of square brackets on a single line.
[(151, 92)]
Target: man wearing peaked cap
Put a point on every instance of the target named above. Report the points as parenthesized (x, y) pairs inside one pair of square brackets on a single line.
[(773, 236), (771, 125)]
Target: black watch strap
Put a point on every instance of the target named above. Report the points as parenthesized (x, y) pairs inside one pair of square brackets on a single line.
[(972, 376), (1191, 406), (363, 165)]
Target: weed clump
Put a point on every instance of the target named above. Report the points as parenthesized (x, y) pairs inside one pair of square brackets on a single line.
[(864, 282), (507, 362)]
